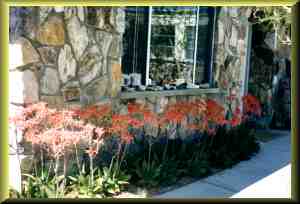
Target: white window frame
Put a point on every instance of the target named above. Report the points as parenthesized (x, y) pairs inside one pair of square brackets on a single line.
[(148, 58)]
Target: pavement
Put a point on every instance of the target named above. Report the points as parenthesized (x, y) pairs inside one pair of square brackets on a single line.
[(265, 175)]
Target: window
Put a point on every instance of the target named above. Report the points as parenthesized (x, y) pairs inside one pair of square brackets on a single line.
[(169, 44)]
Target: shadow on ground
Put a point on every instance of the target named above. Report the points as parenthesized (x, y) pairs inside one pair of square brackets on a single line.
[(274, 155)]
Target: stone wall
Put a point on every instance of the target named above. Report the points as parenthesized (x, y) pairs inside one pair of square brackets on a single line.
[(62, 56), (230, 49), (72, 55), (58, 54)]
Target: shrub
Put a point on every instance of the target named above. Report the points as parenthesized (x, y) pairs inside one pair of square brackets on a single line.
[(222, 140)]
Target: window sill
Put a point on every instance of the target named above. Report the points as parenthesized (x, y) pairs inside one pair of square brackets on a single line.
[(183, 92)]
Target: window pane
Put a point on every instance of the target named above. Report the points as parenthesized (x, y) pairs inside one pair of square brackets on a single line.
[(204, 45), (172, 44), (135, 41)]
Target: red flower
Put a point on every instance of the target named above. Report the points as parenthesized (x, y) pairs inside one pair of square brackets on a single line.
[(251, 105), (135, 123), (215, 112)]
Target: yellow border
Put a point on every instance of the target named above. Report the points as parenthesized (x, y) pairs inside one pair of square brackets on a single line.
[(4, 5), (4, 100), (152, 2)]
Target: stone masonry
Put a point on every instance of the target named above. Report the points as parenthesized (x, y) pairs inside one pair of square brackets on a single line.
[(72, 55)]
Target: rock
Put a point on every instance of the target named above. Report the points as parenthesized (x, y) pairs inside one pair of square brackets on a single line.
[(23, 87), (22, 22), (104, 40), (161, 104), (70, 12), (66, 64), (71, 94), (50, 82), (91, 65), (242, 32), (78, 36), (31, 23), (44, 12), (234, 36), (48, 55), (117, 19), (53, 101), (221, 35), (172, 100), (116, 79), (80, 13), (115, 48), (103, 18), (94, 91), (22, 53), (52, 32)]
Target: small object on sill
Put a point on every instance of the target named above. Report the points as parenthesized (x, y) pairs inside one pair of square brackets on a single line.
[(128, 89), (135, 79), (173, 88), (141, 88), (182, 86), (178, 82), (167, 87), (126, 80), (204, 86), (192, 86), (154, 88)]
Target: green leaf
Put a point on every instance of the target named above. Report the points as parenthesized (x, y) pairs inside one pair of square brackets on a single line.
[(73, 178)]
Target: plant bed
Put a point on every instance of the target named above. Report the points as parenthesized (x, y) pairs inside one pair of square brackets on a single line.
[(115, 153)]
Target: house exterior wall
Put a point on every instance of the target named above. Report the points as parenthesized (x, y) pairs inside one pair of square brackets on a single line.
[(230, 49), (63, 56), (71, 56)]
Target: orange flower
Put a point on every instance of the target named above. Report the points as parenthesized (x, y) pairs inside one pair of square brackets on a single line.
[(251, 105)]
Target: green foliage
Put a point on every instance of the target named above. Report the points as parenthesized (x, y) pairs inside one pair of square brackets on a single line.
[(170, 171), (198, 167), (107, 181), (275, 17), (113, 180), (42, 186), (80, 186), (148, 173), (230, 147)]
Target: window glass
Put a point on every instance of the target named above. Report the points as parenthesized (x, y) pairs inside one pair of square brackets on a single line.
[(204, 45), (170, 44), (135, 41), (179, 49)]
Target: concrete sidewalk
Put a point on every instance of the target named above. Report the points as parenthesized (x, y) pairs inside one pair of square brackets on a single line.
[(266, 175)]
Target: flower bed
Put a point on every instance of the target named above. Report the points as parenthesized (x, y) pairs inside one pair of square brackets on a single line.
[(112, 150)]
